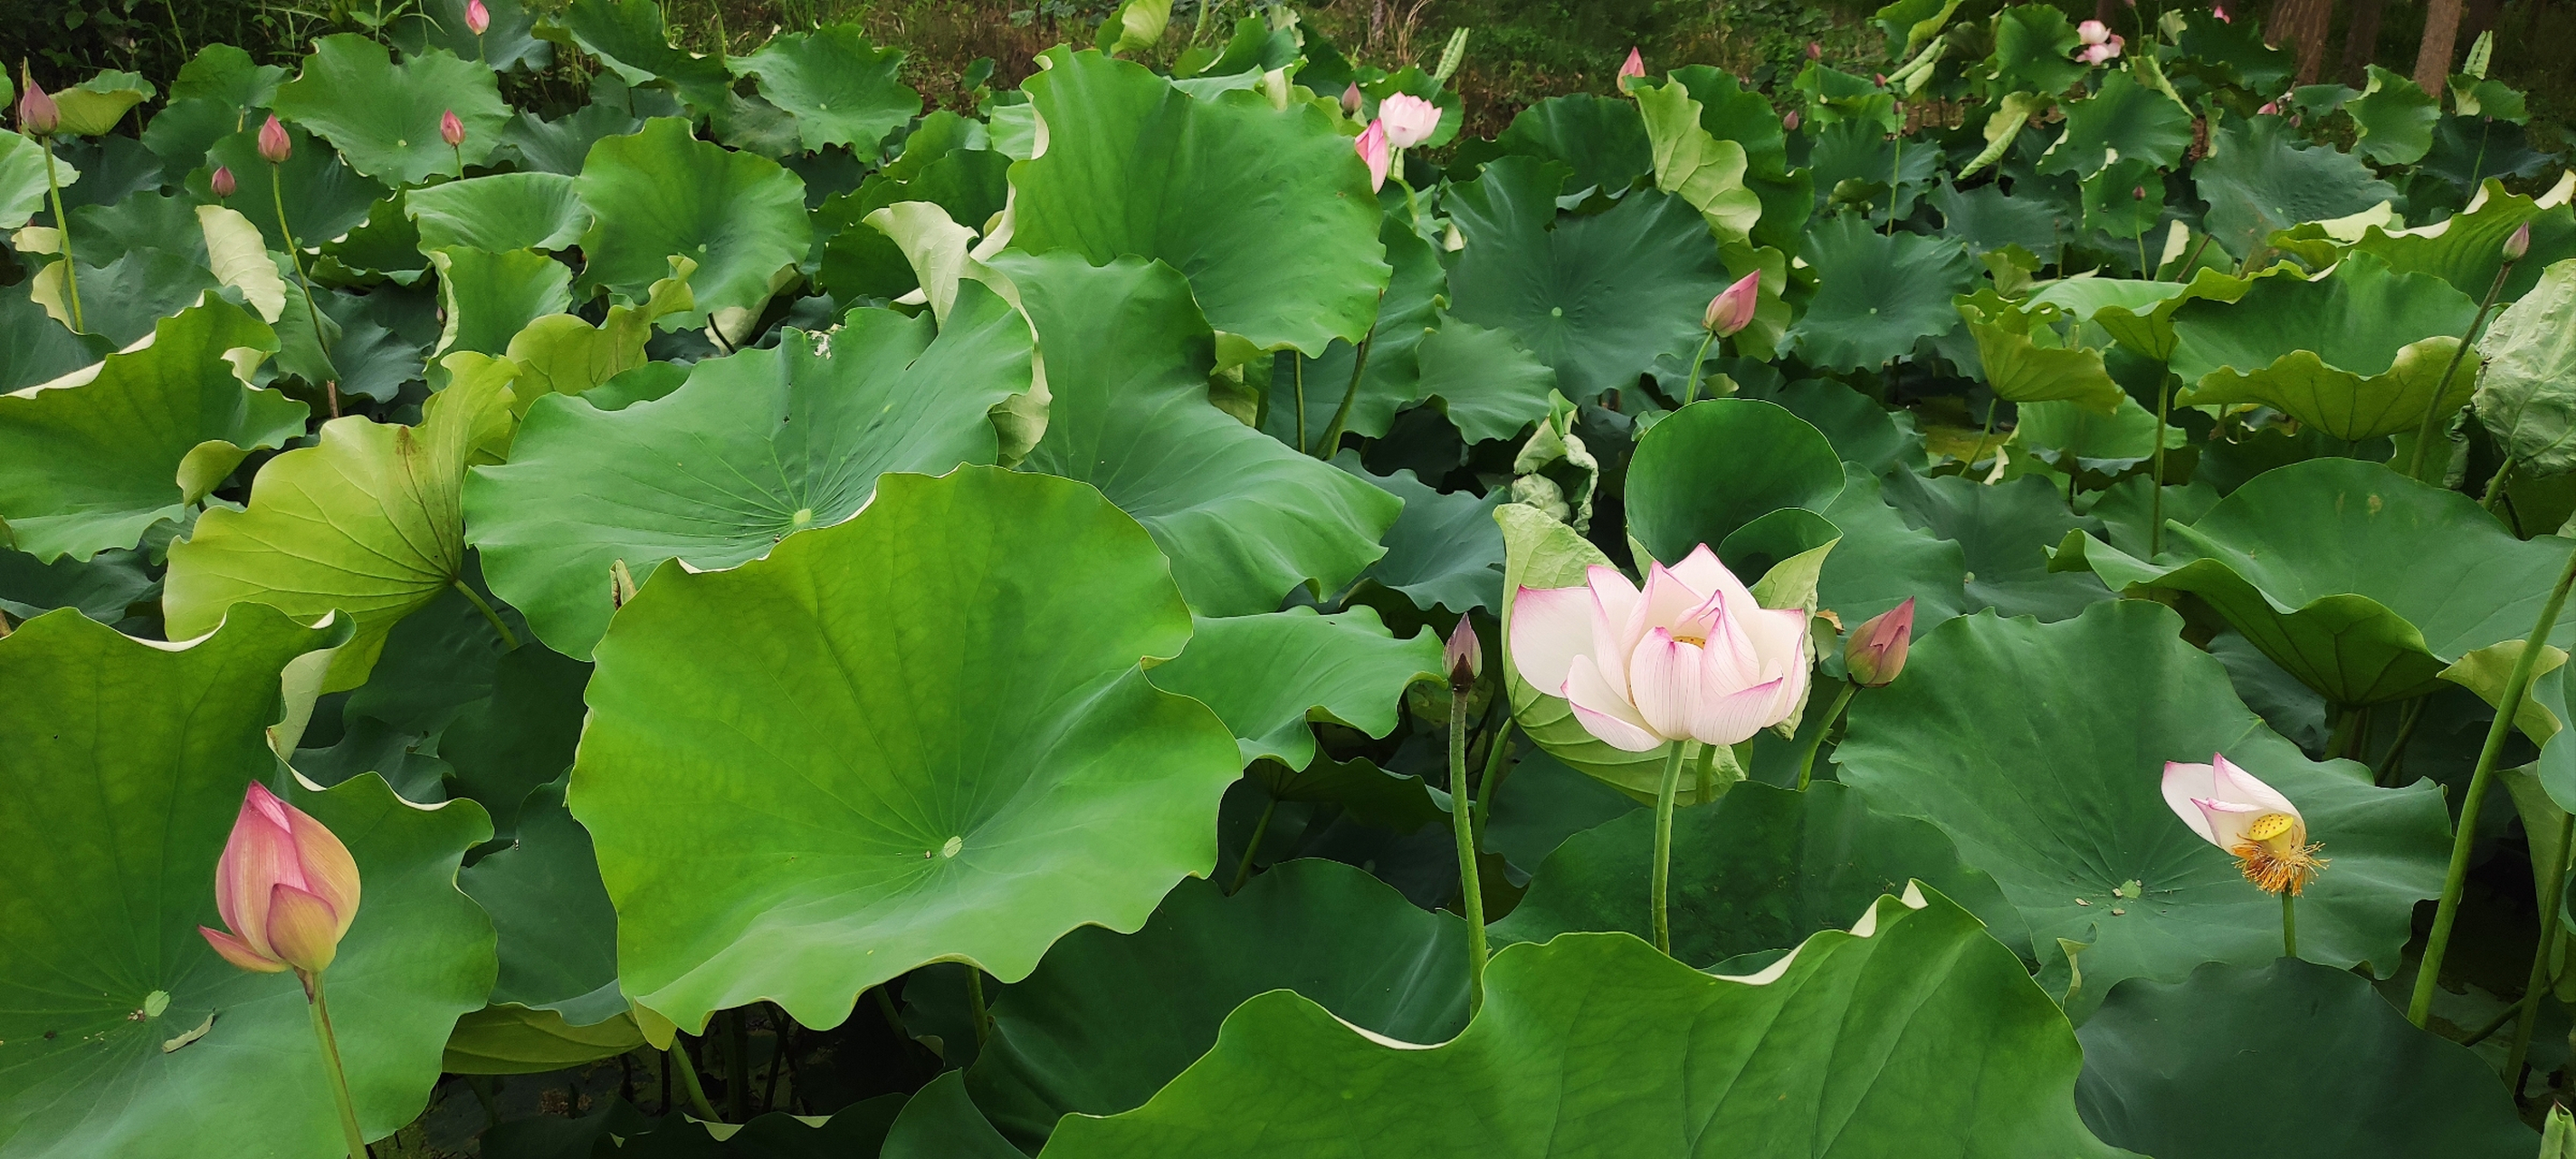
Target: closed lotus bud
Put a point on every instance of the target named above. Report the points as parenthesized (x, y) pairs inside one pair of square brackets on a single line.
[(2519, 244), (1875, 653), (1465, 657), (1732, 309), (1790, 120), (273, 145), (286, 888), (222, 182), (2269, 109), (477, 17), (1632, 68), (2220, 11), (1373, 151), (2139, 193), (450, 129), (1815, 51), (1351, 99), (36, 111)]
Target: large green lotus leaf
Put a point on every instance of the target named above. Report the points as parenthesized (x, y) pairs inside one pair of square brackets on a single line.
[(94, 106), (560, 145), (1917, 1035), (2034, 47), (2122, 120), (661, 193), (2004, 531), (489, 297), (502, 749), (564, 354), (2466, 249), (1545, 553), (505, 211), (1719, 464), (2139, 314), (2027, 360), (128, 761), (1487, 383), (2360, 582), (505, 44), (1599, 296), (89, 467), (370, 522), (1107, 1019), (1267, 211), (1306, 394), (104, 587), (2289, 1059), (2528, 397), (819, 770), (754, 447), (2074, 437), (1876, 295), (1883, 561), (841, 89), (510, 1039), (1602, 140), (1243, 518), (555, 1003), (2358, 353), (386, 117), (628, 36), (2030, 745), (1759, 869), (34, 348), (2260, 177), (324, 197), (123, 300), (1265, 676), (2394, 119), (2125, 200), (1444, 552)]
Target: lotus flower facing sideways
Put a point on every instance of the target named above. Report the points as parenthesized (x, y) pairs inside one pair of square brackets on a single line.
[(285, 886), (1372, 149), (1409, 119), (1692, 657), (2232, 810)]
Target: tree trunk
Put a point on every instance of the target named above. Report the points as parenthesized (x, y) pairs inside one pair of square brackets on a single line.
[(2305, 22), (2361, 42), (2441, 35)]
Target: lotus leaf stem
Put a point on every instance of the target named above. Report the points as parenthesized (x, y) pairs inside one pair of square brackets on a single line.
[(2552, 888), (1807, 759), (696, 1092), (1243, 868), (2509, 706), (975, 1003), (331, 1067), (1664, 795), (1498, 764), (2156, 475), (2496, 484), (2289, 924), (2390, 760), (1350, 394), (63, 226), (509, 639), (1471, 891), (1690, 394), (312, 312), (2442, 386)]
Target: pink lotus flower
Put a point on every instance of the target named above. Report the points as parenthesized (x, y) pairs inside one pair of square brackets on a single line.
[(1692, 657), (451, 130), (273, 145), (37, 112), (1373, 150), (2220, 11), (1409, 120), (1464, 656), (2232, 810), (2099, 53), (2093, 32), (2269, 109), (1875, 654), (285, 886), (1633, 68), (222, 182), (1732, 309), (477, 17)]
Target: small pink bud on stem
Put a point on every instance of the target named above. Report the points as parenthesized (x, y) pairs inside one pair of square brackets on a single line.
[(2519, 244), (37, 113), (273, 145), (478, 19), (1732, 309), (1465, 657), (222, 182), (1875, 653), (1633, 68), (451, 130)]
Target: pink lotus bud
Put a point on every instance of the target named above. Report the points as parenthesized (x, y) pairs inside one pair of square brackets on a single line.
[(2518, 244), (1351, 100), (2220, 11), (2269, 109), (36, 111), (450, 129), (273, 144), (1409, 120), (1373, 151), (477, 17), (1692, 657), (1465, 657), (1879, 78), (1790, 120), (2092, 32), (2139, 193), (1632, 68), (1875, 653), (222, 182), (2232, 810), (285, 886), (1732, 309), (1815, 51)]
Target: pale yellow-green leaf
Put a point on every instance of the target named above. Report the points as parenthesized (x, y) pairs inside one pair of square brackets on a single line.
[(239, 258)]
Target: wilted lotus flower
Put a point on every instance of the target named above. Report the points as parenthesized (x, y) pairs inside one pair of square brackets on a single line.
[(1372, 149), (1732, 309), (286, 887), (450, 129), (1409, 120), (1692, 657), (1875, 654), (1464, 656), (222, 182), (1352, 98), (2235, 812), (477, 17), (37, 113), (1633, 68), (273, 145)]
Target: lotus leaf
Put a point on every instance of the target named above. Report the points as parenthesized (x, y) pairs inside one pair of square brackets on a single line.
[(385, 117), (2028, 359), (840, 88), (2258, 178), (1713, 467), (505, 211), (2528, 397), (1877, 295), (1266, 675), (2360, 353), (2122, 120), (661, 193)]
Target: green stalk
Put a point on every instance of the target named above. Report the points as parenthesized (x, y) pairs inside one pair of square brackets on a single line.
[(2550, 900), (1807, 759), (2289, 924), (331, 1064), (2496, 484), (1498, 752), (2183, 274), (2387, 765), (1664, 795), (678, 1056), (313, 313), (509, 639), (2156, 481), (975, 1001), (1704, 771), (1350, 394), (1691, 395), (63, 226), (2442, 386), (1243, 869), (1471, 891), (2509, 706)]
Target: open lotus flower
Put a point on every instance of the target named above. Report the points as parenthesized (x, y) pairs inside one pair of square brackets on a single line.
[(1732, 309), (1692, 657), (477, 17), (273, 145), (2093, 32), (286, 887), (2098, 53), (1373, 150), (1409, 120), (451, 130), (2232, 810)]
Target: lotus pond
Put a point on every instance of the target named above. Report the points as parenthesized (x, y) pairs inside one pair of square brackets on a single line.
[(565, 597)]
